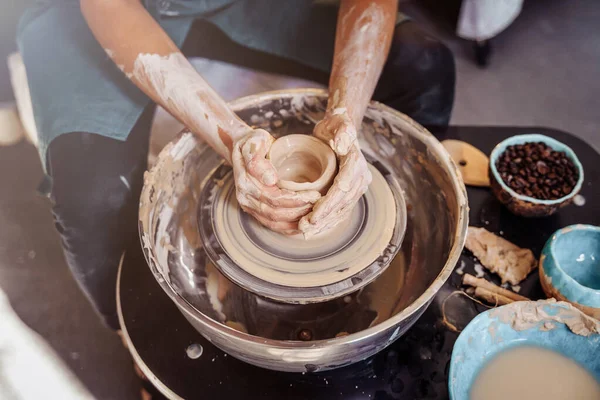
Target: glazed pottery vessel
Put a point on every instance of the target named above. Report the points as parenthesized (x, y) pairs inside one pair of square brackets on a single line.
[(570, 267), (539, 324), (527, 206)]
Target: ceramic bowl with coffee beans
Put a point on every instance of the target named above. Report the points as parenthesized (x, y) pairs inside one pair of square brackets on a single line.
[(534, 175)]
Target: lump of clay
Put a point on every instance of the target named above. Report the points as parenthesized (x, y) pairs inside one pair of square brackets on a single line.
[(500, 256)]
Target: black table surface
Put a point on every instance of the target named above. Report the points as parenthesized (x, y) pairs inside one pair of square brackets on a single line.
[(413, 367)]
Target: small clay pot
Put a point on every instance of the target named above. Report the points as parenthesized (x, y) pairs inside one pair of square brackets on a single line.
[(527, 206), (569, 267), (303, 162)]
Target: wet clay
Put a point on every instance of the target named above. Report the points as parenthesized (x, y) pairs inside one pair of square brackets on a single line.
[(299, 167), (534, 373), (500, 256), (303, 162), (524, 315), (293, 261)]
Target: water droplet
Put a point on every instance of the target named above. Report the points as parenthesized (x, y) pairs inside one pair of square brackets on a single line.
[(194, 351), (425, 353), (579, 200), (305, 335)]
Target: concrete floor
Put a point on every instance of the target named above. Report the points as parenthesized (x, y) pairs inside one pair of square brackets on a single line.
[(543, 72)]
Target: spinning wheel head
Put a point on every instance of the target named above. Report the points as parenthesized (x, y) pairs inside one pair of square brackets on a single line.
[(291, 269)]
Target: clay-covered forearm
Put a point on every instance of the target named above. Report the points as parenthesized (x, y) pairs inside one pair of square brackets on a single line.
[(146, 54), (363, 38)]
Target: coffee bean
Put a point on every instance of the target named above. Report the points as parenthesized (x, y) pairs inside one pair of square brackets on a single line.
[(522, 182), (541, 167)]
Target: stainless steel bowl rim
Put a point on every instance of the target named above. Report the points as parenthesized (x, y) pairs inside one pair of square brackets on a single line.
[(423, 299)]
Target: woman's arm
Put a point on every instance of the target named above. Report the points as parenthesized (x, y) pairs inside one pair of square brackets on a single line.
[(363, 38), (146, 54)]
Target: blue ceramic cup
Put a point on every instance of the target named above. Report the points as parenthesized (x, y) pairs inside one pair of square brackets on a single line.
[(527, 206), (570, 267), (501, 329)]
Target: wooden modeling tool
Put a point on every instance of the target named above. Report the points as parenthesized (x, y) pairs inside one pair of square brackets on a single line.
[(472, 163)]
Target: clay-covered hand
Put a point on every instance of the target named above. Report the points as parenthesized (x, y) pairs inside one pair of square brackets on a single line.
[(338, 130), (351, 182), (256, 186)]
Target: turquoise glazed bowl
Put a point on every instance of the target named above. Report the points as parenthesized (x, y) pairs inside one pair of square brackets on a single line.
[(525, 323), (570, 267), (527, 206)]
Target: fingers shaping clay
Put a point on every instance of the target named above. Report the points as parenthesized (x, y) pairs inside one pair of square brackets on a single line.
[(290, 268)]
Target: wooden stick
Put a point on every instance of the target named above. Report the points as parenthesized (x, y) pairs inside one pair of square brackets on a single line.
[(470, 280), (491, 297)]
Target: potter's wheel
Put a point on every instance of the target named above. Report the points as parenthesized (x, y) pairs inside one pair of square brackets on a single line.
[(294, 270), (344, 330)]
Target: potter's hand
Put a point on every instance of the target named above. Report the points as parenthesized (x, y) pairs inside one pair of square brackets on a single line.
[(351, 182), (337, 129), (256, 190)]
